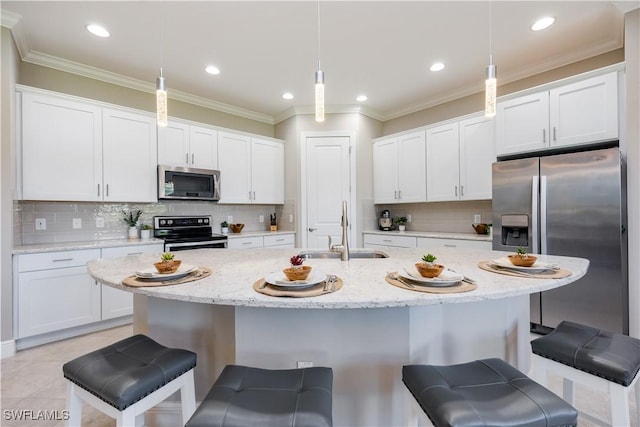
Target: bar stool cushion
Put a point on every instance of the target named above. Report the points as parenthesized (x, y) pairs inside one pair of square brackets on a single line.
[(486, 392), (244, 396), (612, 356), (125, 372)]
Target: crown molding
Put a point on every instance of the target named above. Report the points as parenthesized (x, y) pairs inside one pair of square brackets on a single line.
[(328, 109)]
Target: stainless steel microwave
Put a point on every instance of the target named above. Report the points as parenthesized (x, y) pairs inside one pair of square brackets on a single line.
[(188, 183)]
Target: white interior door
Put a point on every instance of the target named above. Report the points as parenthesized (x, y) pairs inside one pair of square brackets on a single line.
[(327, 185)]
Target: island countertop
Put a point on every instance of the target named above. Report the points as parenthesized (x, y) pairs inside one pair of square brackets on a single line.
[(235, 272)]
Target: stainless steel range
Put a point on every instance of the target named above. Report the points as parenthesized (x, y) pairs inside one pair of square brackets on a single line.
[(181, 233)]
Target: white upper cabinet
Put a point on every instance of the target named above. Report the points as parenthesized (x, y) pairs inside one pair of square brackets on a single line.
[(79, 151), (399, 169), (61, 149), (251, 169), (579, 113), (184, 145), (129, 156), (459, 158)]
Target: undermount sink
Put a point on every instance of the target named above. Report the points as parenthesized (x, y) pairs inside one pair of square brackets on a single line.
[(336, 255)]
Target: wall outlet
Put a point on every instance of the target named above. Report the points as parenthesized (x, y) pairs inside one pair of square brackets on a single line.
[(408, 217), (99, 222), (477, 219), (230, 219), (304, 364), (77, 223), (290, 218), (41, 223), (261, 218)]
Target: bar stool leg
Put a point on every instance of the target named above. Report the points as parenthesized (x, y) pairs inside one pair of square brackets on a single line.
[(637, 391), (74, 406), (539, 371), (140, 420), (568, 390), (619, 405), (188, 397), (126, 418)]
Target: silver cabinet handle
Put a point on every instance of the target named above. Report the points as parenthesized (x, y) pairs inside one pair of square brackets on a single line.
[(249, 195), (98, 190), (399, 194), (279, 240), (312, 229), (456, 190), (387, 240), (462, 190), (254, 195), (186, 158), (134, 253), (193, 158), (395, 194), (450, 246), (62, 259), (554, 133), (246, 243), (544, 135), (107, 189)]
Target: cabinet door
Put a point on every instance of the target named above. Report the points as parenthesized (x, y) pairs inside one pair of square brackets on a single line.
[(50, 300), (267, 171), (412, 168), (585, 111), (61, 149), (173, 144), (234, 163), (115, 302), (522, 124), (129, 156), (443, 163), (477, 154), (385, 171), (203, 148), (245, 242)]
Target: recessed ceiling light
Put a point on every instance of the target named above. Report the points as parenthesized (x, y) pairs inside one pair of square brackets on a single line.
[(361, 98), (97, 30), (437, 66), (543, 23), (287, 95), (212, 69)]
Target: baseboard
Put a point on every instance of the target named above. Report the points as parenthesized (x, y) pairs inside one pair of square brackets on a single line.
[(167, 413), (7, 349)]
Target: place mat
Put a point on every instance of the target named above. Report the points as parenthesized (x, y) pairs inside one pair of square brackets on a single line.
[(265, 288), (460, 287), (548, 274), (197, 274)]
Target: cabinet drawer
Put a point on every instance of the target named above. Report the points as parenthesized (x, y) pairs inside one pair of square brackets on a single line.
[(245, 242), (121, 251), (280, 240), (51, 260), (396, 241), (430, 242)]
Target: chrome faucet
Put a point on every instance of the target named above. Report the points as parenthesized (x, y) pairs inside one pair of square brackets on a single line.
[(343, 247)]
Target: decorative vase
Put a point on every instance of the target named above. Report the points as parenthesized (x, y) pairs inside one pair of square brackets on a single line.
[(429, 270), (145, 234), (224, 230), (401, 227), (133, 232)]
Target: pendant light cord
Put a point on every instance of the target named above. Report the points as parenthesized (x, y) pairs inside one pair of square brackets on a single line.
[(490, 33), (318, 34)]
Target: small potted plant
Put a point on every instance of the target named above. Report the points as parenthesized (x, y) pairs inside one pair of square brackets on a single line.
[(522, 259), (297, 271), (224, 227), (427, 267), (167, 264), (145, 231), (401, 221), (131, 219)]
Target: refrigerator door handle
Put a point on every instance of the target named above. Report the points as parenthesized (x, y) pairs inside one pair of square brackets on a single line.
[(543, 214), (534, 214)]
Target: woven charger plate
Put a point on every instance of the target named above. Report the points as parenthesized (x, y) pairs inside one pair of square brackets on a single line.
[(197, 274), (548, 274), (263, 287), (457, 288)]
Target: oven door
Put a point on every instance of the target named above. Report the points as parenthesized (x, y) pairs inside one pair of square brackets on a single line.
[(184, 246)]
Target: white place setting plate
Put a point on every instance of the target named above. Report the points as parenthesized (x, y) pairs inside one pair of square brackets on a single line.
[(280, 280), (152, 273), (446, 278), (535, 268)]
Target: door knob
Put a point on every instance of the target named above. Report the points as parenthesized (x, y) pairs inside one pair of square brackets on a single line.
[(312, 229)]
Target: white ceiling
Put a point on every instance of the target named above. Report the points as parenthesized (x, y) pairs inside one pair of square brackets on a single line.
[(264, 48)]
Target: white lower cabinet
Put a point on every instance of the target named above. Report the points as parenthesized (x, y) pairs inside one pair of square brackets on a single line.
[(280, 240), (250, 242), (431, 242), (373, 241), (381, 241)]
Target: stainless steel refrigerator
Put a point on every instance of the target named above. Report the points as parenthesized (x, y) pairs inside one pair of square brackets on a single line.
[(568, 204)]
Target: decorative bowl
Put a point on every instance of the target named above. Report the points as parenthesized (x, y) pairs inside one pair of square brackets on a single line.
[(480, 228), (236, 228), (429, 270), (297, 273), (166, 267), (523, 261)]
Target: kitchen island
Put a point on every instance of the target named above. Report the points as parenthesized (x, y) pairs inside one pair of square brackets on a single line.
[(365, 331)]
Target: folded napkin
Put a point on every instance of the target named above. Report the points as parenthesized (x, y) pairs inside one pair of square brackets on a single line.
[(289, 282)]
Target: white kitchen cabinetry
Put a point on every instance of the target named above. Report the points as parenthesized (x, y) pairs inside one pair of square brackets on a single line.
[(399, 166), (184, 145), (459, 158), (115, 302), (274, 240), (56, 292), (578, 113), (75, 150), (280, 240), (251, 169), (430, 242), (394, 241)]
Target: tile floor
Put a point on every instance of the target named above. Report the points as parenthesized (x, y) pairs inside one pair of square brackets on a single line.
[(32, 380)]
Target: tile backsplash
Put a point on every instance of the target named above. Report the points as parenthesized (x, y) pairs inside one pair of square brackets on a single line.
[(59, 218)]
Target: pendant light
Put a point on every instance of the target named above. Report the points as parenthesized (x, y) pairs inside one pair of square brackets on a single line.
[(161, 86), (319, 80), (490, 82)]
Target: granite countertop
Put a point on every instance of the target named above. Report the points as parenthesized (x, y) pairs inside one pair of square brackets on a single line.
[(72, 246), (434, 234), (234, 273), (257, 233)]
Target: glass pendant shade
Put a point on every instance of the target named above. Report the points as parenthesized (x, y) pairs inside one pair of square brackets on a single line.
[(490, 91), (161, 100), (319, 95)]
